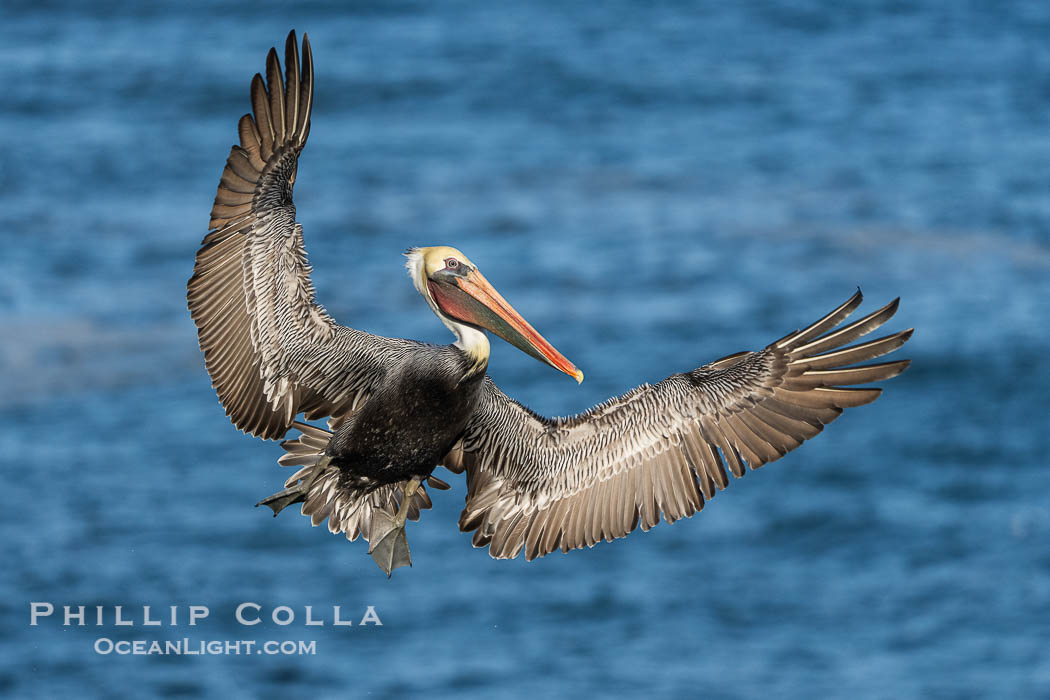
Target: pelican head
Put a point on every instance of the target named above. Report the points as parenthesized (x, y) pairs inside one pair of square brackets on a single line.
[(465, 302)]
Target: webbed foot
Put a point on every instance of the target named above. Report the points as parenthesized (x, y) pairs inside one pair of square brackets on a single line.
[(282, 499), (389, 546)]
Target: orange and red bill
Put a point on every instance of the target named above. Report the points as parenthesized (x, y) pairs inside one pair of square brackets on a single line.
[(473, 300)]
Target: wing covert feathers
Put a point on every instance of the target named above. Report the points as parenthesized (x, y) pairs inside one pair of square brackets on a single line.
[(271, 350), (538, 484)]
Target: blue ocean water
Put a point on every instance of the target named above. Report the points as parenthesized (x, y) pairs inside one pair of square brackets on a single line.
[(653, 186)]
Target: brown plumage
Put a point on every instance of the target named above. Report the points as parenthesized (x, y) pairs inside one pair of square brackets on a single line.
[(396, 406), (271, 350), (542, 484)]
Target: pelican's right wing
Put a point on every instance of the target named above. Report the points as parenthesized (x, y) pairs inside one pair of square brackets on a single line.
[(271, 350), (538, 484)]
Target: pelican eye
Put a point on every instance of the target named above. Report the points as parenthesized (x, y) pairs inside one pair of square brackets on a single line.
[(451, 263)]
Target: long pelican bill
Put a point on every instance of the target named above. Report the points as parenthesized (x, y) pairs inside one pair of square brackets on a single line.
[(471, 298)]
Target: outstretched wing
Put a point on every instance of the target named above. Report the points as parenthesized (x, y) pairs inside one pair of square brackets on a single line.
[(271, 350), (539, 484)]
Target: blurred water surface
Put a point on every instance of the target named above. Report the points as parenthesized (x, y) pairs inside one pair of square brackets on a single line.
[(653, 187)]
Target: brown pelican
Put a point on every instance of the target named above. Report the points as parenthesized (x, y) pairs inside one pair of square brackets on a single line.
[(397, 409)]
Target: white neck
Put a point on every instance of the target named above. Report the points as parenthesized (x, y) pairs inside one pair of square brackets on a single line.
[(468, 339)]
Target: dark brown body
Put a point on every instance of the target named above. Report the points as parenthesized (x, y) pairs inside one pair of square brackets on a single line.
[(410, 421)]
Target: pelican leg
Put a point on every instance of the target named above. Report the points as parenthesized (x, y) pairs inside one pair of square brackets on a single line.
[(389, 546)]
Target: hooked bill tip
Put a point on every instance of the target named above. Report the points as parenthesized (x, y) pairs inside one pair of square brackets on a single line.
[(579, 377)]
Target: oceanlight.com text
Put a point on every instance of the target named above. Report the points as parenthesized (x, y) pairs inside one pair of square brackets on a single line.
[(214, 647)]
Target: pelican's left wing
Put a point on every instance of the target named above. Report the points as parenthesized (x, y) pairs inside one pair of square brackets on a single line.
[(272, 351), (540, 484)]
